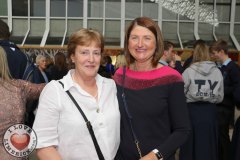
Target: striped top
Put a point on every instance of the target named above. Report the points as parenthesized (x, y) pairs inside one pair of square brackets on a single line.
[(157, 104)]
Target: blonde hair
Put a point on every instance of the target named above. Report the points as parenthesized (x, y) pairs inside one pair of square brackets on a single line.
[(4, 69), (201, 53), (120, 61), (39, 58)]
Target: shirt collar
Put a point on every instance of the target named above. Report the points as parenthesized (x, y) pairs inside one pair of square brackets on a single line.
[(225, 63), (163, 62), (68, 81)]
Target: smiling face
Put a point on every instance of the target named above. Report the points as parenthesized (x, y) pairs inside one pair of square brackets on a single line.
[(87, 60), (219, 56), (141, 44)]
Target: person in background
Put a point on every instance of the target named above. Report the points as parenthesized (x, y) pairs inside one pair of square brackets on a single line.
[(61, 130), (59, 69), (12, 109), (120, 61), (169, 58), (49, 63), (203, 87), (41, 64), (102, 68), (154, 117), (231, 76), (39, 76), (17, 60), (188, 61), (236, 140), (109, 66)]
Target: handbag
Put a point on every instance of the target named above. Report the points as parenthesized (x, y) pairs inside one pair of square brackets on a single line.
[(88, 123), (129, 116)]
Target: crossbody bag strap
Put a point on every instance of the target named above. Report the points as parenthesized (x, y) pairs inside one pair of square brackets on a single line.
[(88, 123), (130, 118)]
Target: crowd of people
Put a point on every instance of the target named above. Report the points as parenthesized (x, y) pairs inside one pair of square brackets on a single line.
[(146, 106)]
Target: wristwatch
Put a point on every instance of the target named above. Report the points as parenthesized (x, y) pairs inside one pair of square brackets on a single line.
[(158, 154)]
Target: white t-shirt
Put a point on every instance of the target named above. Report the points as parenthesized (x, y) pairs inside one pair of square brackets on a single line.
[(59, 123)]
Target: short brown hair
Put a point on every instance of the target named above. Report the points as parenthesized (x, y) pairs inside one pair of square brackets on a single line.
[(84, 37), (168, 45), (219, 45), (154, 28), (4, 30)]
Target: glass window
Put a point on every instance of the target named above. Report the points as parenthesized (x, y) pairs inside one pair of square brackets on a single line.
[(205, 31), (3, 8), (59, 28), (221, 31), (19, 8), (150, 9), (236, 32), (133, 9), (38, 8), (112, 34), (223, 12), (75, 8), (169, 15), (74, 25), (113, 9), (237, 11), (96, 25), (57, 8), (169, 31), (19, 27), (186, 33), (95, 8)]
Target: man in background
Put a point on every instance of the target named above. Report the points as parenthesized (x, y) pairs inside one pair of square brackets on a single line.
[(16, 58), (231, 76), (169, 58)]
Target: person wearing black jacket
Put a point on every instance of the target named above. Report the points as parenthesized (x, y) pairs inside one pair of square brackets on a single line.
[(16, 58), (231, 75)]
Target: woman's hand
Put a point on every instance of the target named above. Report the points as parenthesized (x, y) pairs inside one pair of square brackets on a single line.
[(149, 156)]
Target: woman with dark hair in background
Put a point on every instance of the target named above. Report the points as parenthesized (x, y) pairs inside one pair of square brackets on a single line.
[(59, 69), (109, 66)]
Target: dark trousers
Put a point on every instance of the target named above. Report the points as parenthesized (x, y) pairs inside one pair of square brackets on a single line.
[(202, 142), (236, 141), (224, 120)]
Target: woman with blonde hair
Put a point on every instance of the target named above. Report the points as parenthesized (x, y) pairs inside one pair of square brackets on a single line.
[(203, 87), (120, 61), (14, 94)]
